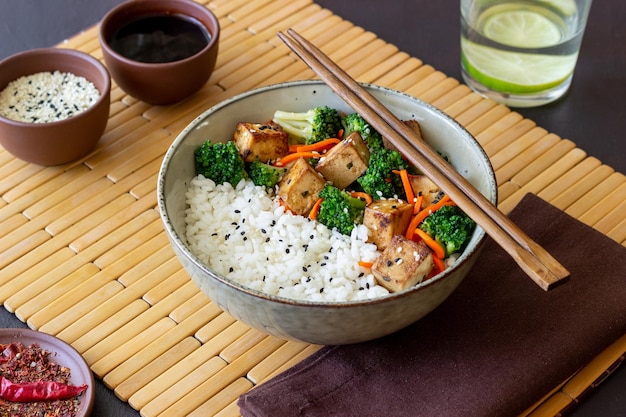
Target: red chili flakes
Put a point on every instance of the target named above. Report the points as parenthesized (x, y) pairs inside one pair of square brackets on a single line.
[(21, 364)]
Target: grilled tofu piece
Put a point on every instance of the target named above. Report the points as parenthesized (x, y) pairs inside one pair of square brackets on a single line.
[(421, 184), (415, 127), (385, 219), (403, 264), (345, 162), (263, 141), (300, 186)]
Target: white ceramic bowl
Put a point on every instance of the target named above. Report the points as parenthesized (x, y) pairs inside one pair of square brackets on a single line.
[(328, 323)]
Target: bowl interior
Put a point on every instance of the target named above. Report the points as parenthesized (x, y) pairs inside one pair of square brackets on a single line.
[(218, 123)]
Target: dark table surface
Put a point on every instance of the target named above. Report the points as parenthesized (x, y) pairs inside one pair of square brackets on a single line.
[(592, 114)]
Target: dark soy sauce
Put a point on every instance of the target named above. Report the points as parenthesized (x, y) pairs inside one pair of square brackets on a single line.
[(160, 38)]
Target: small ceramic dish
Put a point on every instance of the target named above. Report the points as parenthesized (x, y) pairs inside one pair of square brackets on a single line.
[(158, 82), (62, 354), (67, 139)]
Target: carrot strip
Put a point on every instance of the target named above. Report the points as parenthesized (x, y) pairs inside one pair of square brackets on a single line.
[(362, 196), (417, 207), (315, 209), (439, 264), (420, 216), (340, 134), (318, 146), (431, 243), (287, 159), (404, 176), (366, 265)]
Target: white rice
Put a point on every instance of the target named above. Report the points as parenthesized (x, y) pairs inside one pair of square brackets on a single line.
[(47, 97), (243, 234)]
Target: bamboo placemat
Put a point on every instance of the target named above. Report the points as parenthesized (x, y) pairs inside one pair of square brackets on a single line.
[(83, 254)]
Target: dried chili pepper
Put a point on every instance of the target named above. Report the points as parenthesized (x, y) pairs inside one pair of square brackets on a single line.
[(38, 391)]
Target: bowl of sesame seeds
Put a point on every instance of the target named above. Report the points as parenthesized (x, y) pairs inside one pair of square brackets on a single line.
[(54, 104)]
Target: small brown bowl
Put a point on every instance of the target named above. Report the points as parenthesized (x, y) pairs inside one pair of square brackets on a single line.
[(55, 142), (159, 82)]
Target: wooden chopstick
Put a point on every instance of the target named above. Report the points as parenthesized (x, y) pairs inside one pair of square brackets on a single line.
[(534, 260)]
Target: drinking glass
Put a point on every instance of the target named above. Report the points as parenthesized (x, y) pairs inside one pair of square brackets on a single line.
[(521, 53)]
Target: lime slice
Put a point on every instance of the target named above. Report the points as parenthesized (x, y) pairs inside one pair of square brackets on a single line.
[(524, 28), (514, 72), (564, 7)]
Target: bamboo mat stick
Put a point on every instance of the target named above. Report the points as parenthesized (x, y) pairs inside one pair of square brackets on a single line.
[(107, 326), (614, 183), (439, 90), (458, 109), (206, 353), (580, 188), (550, 174), (164, 398), (533, 259), (586, 167), (194, 398), (514, 168), (156, 367), (157, 346), (219, 401)]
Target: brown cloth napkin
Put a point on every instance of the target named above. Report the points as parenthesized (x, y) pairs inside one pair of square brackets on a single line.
[(495, 347)]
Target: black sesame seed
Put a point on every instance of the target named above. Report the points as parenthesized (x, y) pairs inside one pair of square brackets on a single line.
[(389, 263)]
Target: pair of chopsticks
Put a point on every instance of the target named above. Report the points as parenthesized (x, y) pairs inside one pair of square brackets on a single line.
[(534, 260)]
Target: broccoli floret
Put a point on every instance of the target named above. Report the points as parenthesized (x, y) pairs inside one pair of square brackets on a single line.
[(265, 174), (354, 122), (339, 210), (313, 126), (379, 180), (220, 162), (449, 226)]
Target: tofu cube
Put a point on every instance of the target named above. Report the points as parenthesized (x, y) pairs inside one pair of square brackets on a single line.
[(263, 141), (421, 184), (385, 219), (345, 162), (403, 264), (300, 186), (415, 127)]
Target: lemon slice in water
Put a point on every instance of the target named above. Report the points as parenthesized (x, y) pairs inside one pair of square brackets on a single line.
[(517, 72)]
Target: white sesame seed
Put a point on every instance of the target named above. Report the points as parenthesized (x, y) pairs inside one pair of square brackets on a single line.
[(47, 97)]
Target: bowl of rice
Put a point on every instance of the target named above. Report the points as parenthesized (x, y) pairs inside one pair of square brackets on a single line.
[(285, 274), (54, 104)]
